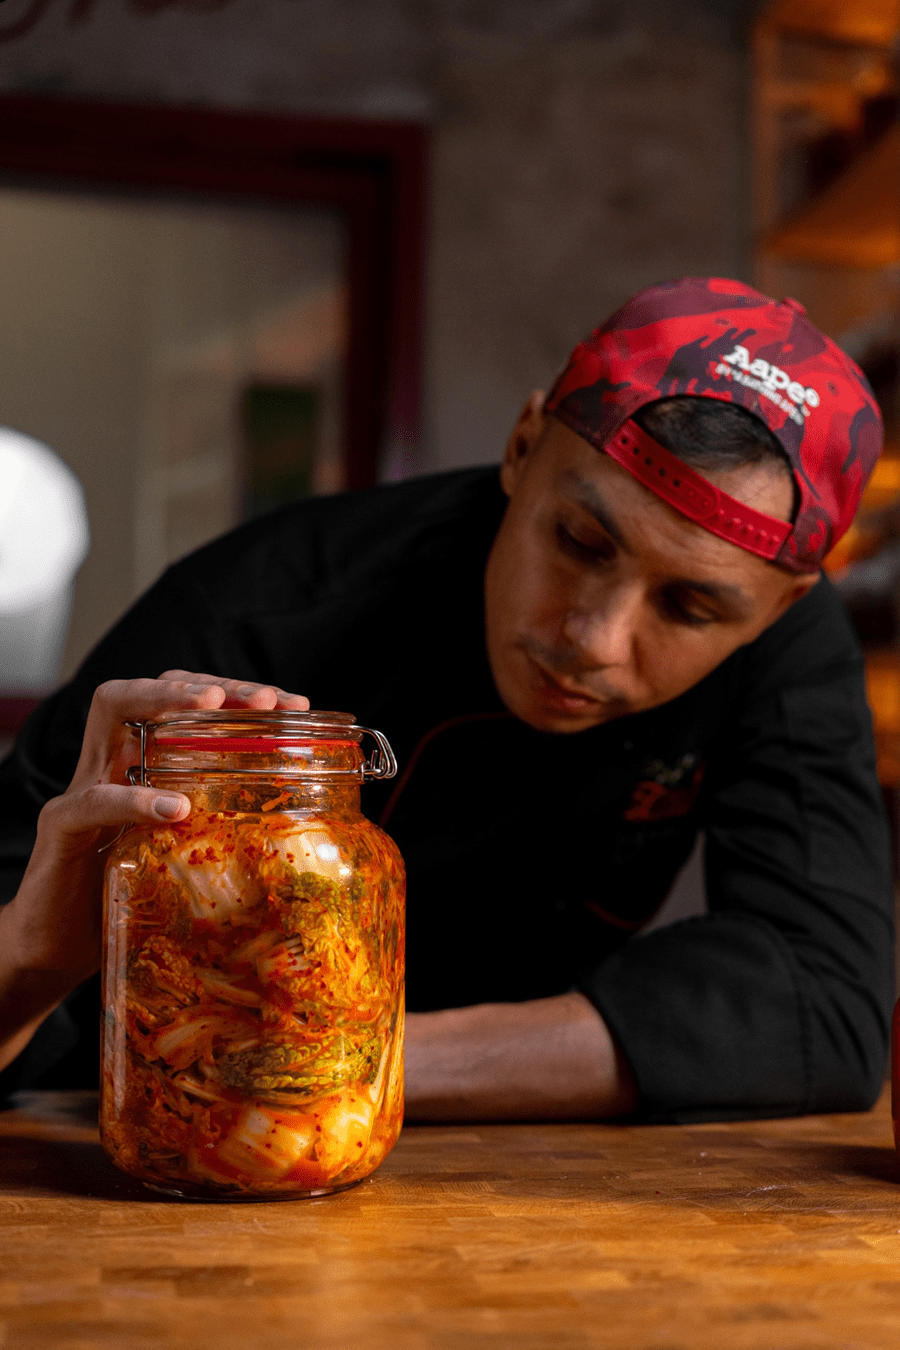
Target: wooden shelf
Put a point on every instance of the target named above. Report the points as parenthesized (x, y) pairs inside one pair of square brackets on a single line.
[(856, 221), (820, 69), (864, 23), (883, 691)]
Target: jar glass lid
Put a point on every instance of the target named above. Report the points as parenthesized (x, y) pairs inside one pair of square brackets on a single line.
[(276, 724), (249, 732)]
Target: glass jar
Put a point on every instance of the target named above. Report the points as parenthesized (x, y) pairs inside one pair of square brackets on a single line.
[(253, 963)]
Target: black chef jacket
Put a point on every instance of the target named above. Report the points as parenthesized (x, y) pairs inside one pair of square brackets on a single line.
[(535, 859)]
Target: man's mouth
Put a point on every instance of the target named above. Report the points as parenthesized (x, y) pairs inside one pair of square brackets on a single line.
[(561, 695)]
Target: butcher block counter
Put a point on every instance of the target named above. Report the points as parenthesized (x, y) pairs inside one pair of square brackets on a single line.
[(779, 1234)]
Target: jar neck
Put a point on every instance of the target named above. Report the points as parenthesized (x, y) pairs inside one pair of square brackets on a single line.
[(254, 762), (263, 795)]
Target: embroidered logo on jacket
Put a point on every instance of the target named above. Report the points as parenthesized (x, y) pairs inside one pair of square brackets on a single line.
[(666, 791)]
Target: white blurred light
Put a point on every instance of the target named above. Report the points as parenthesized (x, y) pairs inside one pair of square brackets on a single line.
[(43, 523), (44, 538)]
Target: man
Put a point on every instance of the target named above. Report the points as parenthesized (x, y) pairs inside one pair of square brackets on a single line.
[(632, 644)]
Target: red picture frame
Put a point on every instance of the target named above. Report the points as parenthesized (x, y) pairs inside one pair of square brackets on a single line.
[(373, 172)]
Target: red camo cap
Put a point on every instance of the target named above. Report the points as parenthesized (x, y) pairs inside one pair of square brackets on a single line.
[(716, 338)]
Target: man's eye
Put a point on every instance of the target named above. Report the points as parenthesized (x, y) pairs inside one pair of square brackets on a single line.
[(682, 610), (598, 547)]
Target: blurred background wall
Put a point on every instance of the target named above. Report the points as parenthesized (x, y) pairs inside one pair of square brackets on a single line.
[(580, 149)]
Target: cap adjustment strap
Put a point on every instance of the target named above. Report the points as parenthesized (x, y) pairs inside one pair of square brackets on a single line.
[(693, 495)]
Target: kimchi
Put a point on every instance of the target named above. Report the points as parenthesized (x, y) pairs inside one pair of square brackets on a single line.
[(253, 993)]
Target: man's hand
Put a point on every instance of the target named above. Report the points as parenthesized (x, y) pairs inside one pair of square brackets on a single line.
[(50, 932), (548, 1059)]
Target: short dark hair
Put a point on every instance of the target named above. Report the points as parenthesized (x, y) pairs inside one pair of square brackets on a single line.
[(705, 434)]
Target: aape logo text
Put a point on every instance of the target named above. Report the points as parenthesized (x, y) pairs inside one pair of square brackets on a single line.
[(769, 380)]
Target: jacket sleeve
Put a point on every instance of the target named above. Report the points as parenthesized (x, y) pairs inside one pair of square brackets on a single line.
[(776, 1002)]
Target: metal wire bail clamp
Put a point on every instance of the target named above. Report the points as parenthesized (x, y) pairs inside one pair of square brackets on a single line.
[(381, 764)]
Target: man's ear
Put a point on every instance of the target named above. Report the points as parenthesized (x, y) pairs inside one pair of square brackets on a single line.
[(528, 430), (796, 591)]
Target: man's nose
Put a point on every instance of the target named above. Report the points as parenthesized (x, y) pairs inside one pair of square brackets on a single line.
[(604, 629)]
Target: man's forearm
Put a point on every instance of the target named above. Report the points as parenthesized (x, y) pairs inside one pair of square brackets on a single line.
[(27, 996), (551, 1059)]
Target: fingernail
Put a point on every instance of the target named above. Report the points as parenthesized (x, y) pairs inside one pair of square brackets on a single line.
[(198, 688), (169, 807)]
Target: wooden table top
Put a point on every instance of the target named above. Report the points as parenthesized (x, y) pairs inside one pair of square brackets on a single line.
[(780, 1234)]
